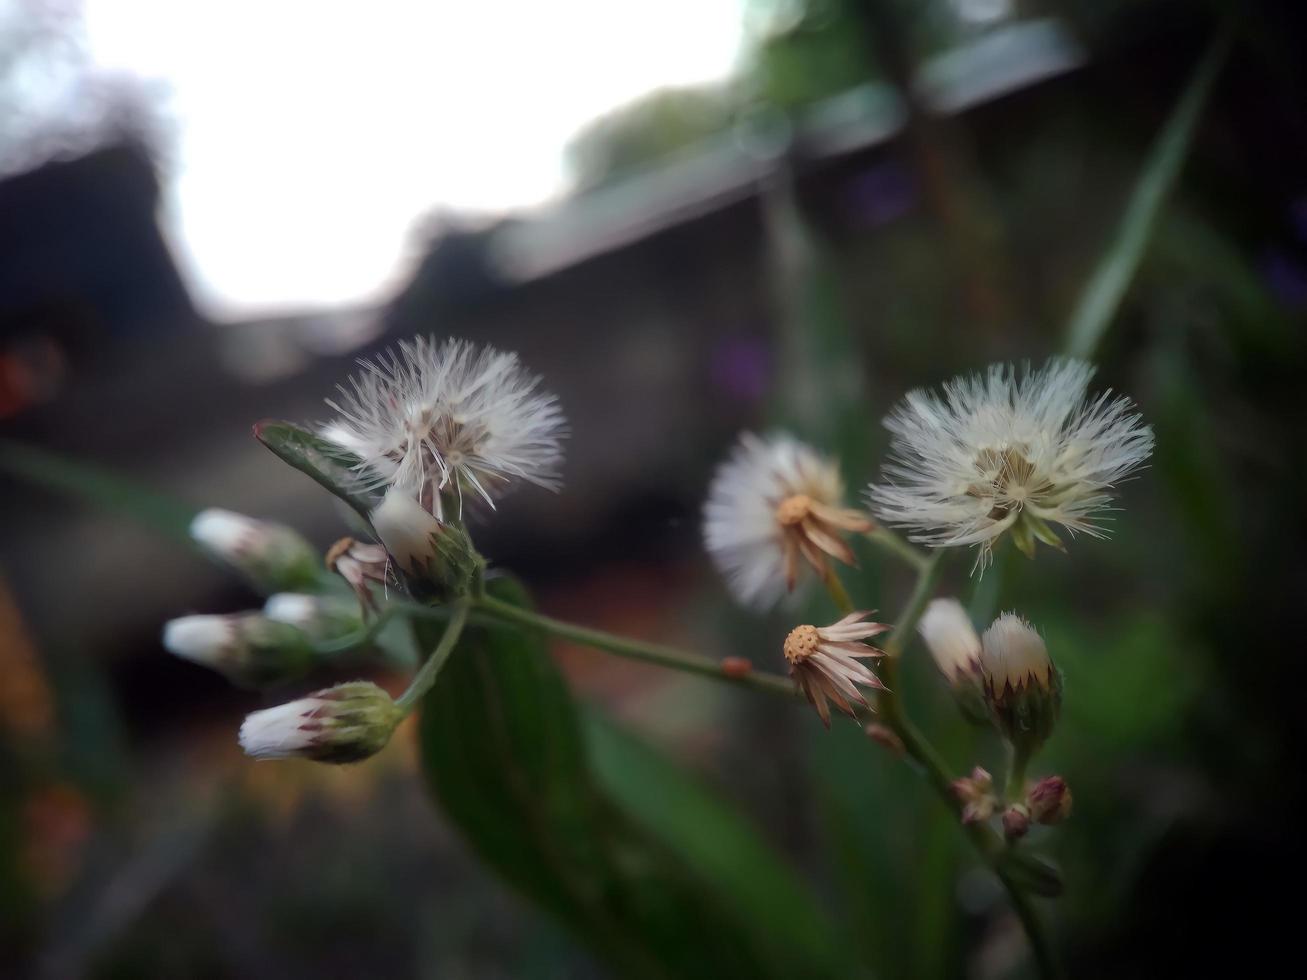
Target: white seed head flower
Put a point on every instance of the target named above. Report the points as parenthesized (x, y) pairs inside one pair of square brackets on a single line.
[(429, 416), (345, 723), (824, 662), (1000, 452), (272, 556), (774, 501)]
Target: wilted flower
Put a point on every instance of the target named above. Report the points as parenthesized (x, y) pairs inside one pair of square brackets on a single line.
[(434, 416), (361, 566), (1049, 800), (1023, 688), (272, 556), (345, 723), (248, 648), (998, 453), (824, 662), (773, 501)]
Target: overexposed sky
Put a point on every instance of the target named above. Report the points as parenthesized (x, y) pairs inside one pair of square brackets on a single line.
[(310, 135)]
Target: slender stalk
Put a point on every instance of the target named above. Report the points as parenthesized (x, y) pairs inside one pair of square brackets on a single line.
[(890, 543), (426, 675), (634, 649), (839, 595), (983, 837), (1016, 776)]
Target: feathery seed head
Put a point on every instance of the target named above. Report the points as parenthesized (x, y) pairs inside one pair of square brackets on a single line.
[(1003, 452), (774, 502), (449, 418)]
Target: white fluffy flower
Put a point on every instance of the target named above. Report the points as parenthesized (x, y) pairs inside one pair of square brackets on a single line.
[(429, 416), (1005, 452), (773, 501)]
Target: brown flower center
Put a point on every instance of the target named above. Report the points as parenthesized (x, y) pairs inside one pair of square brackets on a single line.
[(792, 510), (801, 644)]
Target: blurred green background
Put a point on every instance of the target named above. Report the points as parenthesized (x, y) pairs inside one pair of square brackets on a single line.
[(883, 195)]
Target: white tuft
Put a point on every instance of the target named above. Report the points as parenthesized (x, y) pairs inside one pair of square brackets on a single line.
[(406, 530), (280, 732), (950, 637), (1011, 651), (740, 529), (952, 481), (204, 640), (429, 416), (223, 532)]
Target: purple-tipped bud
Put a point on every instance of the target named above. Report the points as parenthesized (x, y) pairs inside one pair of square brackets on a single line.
[(1049, 800)]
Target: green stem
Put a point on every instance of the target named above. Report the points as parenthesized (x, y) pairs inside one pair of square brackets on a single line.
[(634, 649), (986, 841), (1018, 761), (839, 595), (426, 675), (890, 543)]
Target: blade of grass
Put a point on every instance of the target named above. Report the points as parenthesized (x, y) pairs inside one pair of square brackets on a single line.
[(1102, 295)]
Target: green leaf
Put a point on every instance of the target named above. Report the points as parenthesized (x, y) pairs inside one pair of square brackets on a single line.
[(1103, 293), (101, 488), (504, 749), (327, 463), (719, 842)]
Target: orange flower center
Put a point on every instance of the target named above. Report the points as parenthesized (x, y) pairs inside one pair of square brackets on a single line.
[(801, 644), (792, 510)]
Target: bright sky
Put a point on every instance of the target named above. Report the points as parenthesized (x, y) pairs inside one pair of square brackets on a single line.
[(312, 134)]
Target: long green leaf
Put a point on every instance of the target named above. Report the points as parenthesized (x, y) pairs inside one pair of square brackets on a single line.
[(1103, 293), (328, 464), (100, 487), (505, 752)]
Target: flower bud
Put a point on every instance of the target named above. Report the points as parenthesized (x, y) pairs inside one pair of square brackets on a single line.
[(1049, 800), (436, 558), (345, 723), (1023, 688), (885, 737), (272, 556), (952, 641), (249, 649), (975, 793), (321, 617), (1016, 822)]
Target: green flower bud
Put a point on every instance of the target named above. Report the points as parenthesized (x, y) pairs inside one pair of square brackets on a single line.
[(345, 723), (437, 559), (249, 649), (1022, 687), (272, 556)]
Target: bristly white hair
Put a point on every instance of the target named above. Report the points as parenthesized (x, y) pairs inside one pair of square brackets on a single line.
[(999, 452), (740, 527), (428, 416)]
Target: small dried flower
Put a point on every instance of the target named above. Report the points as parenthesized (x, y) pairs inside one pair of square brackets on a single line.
[(361, 566), (775, 502), (999, 453), (976, 794), (1022, 687), (824, 662), (272, 556), (345, 723), (248, 648), (432, 417), (1049, 800)]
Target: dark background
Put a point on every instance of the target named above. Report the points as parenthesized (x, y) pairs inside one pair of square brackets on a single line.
[(724, 248)]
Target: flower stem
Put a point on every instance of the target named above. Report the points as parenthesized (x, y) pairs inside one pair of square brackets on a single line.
[(927, 757), (889, 542), (1016, 775), (634, 649), (838, 593), (426, 675)]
